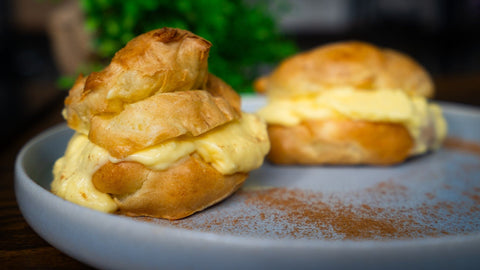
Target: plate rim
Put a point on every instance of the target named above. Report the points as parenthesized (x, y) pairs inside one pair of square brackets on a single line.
[(246, 241)]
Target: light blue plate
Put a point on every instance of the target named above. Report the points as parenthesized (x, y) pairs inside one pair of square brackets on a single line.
[(423, 214)]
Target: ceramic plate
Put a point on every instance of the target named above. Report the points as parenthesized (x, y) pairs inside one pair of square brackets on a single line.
[(424, 213)]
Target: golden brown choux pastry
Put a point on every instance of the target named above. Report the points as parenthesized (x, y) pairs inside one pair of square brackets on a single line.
[(156, 134), (349, 103)]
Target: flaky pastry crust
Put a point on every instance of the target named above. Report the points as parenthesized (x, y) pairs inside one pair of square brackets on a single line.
[(339, 142), (145, 96), (156, 88), (346, 64), (353, 65), (159, 118), (189, 186)]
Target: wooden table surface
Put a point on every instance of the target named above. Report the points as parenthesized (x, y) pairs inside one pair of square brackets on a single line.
[(20, 246)]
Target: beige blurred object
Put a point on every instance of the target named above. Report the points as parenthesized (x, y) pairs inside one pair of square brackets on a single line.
[(70, 40), (32, 15)]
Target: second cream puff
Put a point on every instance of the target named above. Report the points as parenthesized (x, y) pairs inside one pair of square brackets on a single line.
[(350, 103)]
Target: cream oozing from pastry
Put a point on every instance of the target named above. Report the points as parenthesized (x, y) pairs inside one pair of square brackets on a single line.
[(386, 105), (73, 174), (238, 146)]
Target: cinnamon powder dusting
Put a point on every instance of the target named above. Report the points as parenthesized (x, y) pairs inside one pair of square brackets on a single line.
[(462, 145), (445, 202), (299, 214)]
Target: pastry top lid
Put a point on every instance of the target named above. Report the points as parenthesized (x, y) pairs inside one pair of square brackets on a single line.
[(350, 64), (155, 88)]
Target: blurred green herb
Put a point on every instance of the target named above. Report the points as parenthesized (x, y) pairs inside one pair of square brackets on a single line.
[(244, 35)]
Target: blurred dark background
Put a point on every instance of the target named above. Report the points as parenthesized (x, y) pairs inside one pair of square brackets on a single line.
[(442, 35)]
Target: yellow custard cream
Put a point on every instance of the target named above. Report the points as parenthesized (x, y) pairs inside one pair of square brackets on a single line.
[(393, 106), (73, 175), (239, 146)]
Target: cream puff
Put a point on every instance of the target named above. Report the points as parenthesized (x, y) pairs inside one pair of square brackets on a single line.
[(350, 103), (156, 134)]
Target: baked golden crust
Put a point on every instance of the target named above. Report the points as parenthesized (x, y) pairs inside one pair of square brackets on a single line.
[(351, 64), (159, 61), (158, 88), (339, 142), (189, 186), (354, 65), (145, 95), (159, 118)]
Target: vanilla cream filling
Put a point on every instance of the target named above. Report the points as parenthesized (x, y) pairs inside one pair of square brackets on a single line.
[(73, 174), (239, 146), (236, 147), (386, 105)]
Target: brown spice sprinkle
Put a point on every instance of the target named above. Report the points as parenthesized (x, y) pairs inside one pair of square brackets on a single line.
[(462, 145), (385, 211), (339, 219), (294, 214)]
